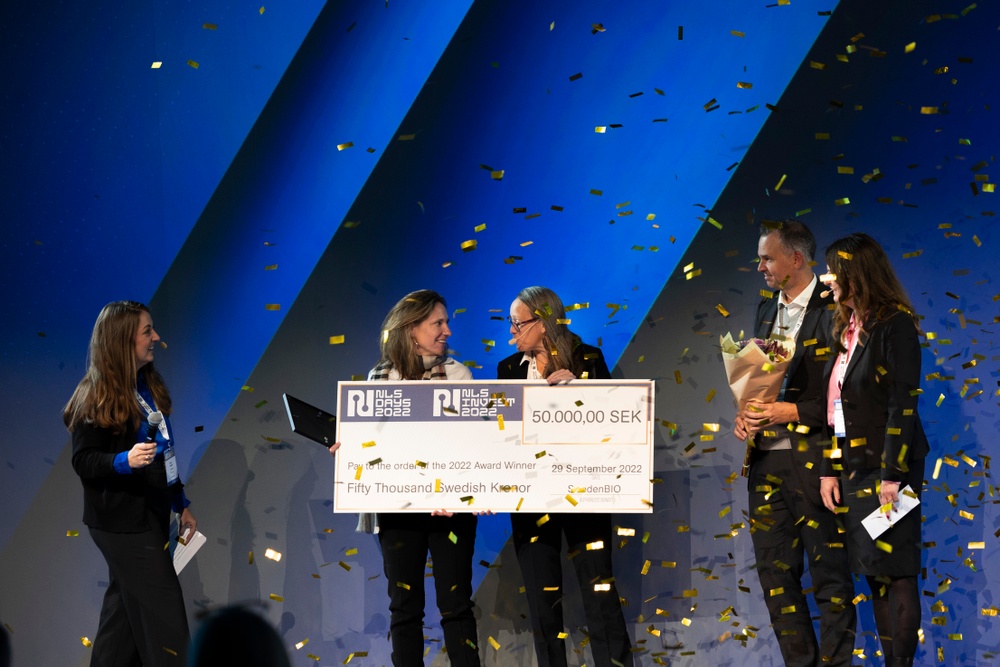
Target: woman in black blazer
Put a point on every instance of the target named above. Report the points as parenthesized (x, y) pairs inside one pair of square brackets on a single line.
[(880, 446), (547, 349), (130, 486)]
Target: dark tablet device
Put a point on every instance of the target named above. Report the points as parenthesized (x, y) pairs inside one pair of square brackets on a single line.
[(310, 421)]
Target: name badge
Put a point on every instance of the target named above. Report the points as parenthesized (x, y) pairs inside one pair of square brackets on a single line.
[(170, 462), (839, 426)]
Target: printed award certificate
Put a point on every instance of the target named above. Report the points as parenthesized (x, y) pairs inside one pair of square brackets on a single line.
[(500, 445)]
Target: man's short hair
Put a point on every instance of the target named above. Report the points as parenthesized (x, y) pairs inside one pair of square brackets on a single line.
[(794, 236)]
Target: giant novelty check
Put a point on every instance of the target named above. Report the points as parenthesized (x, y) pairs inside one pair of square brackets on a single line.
[(501, 445)]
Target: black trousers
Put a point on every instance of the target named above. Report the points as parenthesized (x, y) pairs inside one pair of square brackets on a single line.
[(405, 540), (790, 528), (143, 621), (541, 567)]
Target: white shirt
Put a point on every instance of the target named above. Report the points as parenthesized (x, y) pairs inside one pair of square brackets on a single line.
[(787, 322)]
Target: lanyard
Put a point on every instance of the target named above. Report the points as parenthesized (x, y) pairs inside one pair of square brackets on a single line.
[(169, 459), (850, 340), (781, 330), (149, 411)]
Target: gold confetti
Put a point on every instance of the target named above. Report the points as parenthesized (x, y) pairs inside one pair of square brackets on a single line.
[(272, 306), (719, 307), (341, 147), (272, 554), (301, 643), (157, 64), (344, 565), (72, 533), (500, 422), (276, 598), (337, 340), (842, 201), (193, 64), (86, 642), (468, 246)]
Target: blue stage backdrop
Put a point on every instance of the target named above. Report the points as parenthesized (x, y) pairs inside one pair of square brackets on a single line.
[(286, 173)]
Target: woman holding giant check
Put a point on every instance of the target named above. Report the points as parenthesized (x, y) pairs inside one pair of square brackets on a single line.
[(414, 346), (547, 349)]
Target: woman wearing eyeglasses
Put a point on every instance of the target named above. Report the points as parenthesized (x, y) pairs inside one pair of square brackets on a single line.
[(547, 349)]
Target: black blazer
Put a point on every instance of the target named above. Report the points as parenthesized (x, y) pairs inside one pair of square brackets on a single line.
[(805, 385), (111, 501), (879, 399), (586, 359)]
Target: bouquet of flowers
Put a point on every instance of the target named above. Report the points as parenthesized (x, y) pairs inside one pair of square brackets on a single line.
[(755, 369)]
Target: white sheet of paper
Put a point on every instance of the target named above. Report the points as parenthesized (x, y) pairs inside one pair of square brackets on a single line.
[(876, 523), (185, 552)]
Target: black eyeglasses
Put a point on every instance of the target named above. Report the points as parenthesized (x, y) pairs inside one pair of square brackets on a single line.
[(517, 325)]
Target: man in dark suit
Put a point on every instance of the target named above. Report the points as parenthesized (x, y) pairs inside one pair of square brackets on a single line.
[(789, 526)]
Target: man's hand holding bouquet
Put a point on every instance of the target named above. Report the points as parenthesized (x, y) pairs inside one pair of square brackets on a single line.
[(755, 368)]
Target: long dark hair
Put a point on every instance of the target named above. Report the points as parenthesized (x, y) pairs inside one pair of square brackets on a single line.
[(865, 276), (396, 344), (106, 394), (558, 340)]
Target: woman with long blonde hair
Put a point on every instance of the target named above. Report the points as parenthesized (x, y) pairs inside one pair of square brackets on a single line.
[(548, 350)]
